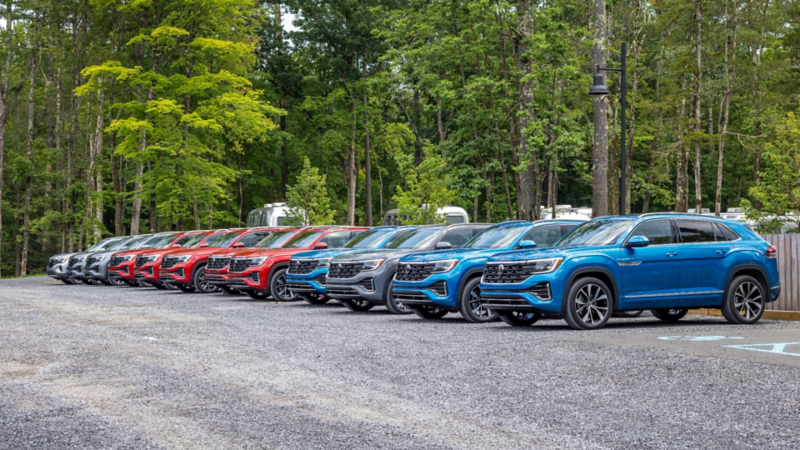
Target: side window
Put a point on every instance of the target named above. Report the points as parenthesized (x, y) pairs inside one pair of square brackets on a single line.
[(659, 232), (544, 236), (567, 228), (457, 238), (182, 240), (724, 233), (251, 239), (336, 239), (694, 231)]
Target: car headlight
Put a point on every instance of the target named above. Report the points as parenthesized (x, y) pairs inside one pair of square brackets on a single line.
[(101, 258), (444, 266), (544, 265), (57, 260), (80, 258), (324, 262), (151, 258), (126, 258), (372, 264), (259, 260), (182, 258)]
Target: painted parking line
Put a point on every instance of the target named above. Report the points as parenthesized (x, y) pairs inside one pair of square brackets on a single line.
[(777, 349), (697, 338)]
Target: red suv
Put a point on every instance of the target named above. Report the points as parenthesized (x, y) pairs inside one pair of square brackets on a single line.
[(263, 272), (120, 267), (187, 269), (217, 268), (148, 263)]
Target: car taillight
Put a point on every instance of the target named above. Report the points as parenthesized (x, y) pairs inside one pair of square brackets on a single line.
[(771, 252)]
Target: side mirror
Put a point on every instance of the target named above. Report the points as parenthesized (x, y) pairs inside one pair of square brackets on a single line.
[(203, 245), (175, 246), (443, 245), (321, 246), (238, 245), (527, 244), (637, 241)]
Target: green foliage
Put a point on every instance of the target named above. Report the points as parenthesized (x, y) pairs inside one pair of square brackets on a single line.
[(427, 190), (308, 198)]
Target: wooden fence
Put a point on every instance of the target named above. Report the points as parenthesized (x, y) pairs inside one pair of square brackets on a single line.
[(788, 246)]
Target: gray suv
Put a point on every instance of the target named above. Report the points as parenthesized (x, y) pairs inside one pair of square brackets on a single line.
[(70, 267), (95, 267), (361, 280)]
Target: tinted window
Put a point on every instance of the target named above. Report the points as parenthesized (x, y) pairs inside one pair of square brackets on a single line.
[(369, 239), (419, 238), (455, 220), (496, 237), (596, 232), (657, 231), (132, 243), (166, 241), (337, 239), (221, 240), (251, 239), (303, 239), (544, 236), (192, 240), (724, 233), (276, 240), (696, 231), (457, 238)]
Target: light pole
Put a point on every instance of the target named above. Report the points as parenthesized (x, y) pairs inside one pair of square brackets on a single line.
[(599, 88)]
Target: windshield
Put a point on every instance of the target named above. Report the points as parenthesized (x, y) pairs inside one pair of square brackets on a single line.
[(596, 232), (222, 239), (303, 240), (369, 239), (100, 245), (276, 240), (165, 240), (496, 237), (192, 240), (132, 243), (118, 244), (419, 238)]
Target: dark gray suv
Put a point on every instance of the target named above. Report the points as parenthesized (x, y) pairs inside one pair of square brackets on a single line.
[(361, 280)]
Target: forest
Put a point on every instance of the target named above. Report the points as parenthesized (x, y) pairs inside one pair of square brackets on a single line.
[(122, 117)]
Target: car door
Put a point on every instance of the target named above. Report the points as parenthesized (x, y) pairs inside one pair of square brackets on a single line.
[(702, 254), (651, 275), (544, 236)]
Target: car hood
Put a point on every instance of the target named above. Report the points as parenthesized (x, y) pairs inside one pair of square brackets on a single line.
[(63, 255), (316, 254), (192, 251), (384, 253), (134, 252), (271, 252), (459, 254), (550, 252), (102, 254)]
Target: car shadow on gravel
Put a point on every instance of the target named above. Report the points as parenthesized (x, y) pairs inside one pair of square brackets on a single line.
[(632, 324)]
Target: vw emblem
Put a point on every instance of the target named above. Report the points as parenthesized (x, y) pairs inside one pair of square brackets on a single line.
[(408, 267), (500, 269), (339, 267)]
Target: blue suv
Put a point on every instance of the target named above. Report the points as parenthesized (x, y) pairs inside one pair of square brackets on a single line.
[(435, 283), (307, 270), (667, 263)]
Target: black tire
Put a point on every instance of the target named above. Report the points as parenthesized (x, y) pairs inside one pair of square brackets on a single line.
[(470, 305), (66, 281), (159, 285), (116, 281), (430, 312), (745, 301), (589, 304), (171, 286), (257, 295), (131, 283), (229, 291), (519, 318), (669, 314), (185, 288), (145, 283), (96, 282), (76, 280), (315, 299), (357, 305), (629, 313), (278, 289), (391, 305), (200, 283)]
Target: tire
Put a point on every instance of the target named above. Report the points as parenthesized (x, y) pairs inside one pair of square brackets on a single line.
[(229, 291), (96, 282), (257, 295), (519, 318), (315, 299), (589, 304), (159, 285), (74, 280), (357, 305), (745, 301), (278, 289), (669, 314), (117, 281), (391, 305), (145, 283), (470, 305), (131, 283), (629, 313), (430, 312), (199, 281), (66, 281), (185, 288)]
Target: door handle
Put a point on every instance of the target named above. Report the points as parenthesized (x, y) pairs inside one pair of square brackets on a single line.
[(671, 254), (721, 252)]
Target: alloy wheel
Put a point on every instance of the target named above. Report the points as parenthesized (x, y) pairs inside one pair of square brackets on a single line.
[(748, 300), (476, 305), (591, 304)]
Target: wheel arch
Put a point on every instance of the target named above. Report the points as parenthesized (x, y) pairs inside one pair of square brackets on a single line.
[(278, 266), (599, 272), (753, 270), (466, 277)]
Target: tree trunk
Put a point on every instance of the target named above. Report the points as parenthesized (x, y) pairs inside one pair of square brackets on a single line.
[(5, 109), (527, 198), (98, 151), (599, 117), (367, 162), (730, 74), (682, 178), (351, 172), (26, 221), (698, 122)]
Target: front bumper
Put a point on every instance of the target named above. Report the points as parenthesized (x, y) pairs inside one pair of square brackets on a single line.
[(310, 283), (146, 273), (58, 271), (438, 289), (217, 277), (250, 282), (97, 271), (123, 271), (539, 293), (368, 286), (77, 271), (178, 274)]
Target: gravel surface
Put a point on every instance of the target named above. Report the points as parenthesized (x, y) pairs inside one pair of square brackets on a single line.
[(104, 367)]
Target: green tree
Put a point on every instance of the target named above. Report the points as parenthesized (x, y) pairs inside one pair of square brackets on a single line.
[(308, 199), (426, 189)]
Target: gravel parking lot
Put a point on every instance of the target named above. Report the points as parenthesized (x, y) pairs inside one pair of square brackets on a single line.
[(103, 367)]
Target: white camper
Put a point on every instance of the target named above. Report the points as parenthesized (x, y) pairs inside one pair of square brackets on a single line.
[(271, 215), (453, 214)]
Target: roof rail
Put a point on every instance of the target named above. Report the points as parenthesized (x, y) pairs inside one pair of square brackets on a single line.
[(672, 213)]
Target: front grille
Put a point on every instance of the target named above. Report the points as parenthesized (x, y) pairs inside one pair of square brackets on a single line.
[(116, 261), (344, 270), (541, 291), (73, 260), (217, 263), (413, 271), (167, 276), (122, 271), (169, 262), (505, 303), (52, 263), (411, 298), (368, 284), (341, 290), (142, 260), (239, 265), (440, 288), (91, 260), (508, 272), (148, 271), (299, 287), (238, 283), (319, 279), (302, 266), (215, 279)]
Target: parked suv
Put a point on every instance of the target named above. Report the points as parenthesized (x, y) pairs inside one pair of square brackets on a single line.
[(58, 265), (667, 263), (362, 279), (438, 282), (307, 270), (95, 267), (147, 265), (187, 269), (77, 261), (262, 273), (219, 261), (121, 266)]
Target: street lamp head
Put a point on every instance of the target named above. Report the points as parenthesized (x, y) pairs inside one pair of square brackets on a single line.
[(598, 85)]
